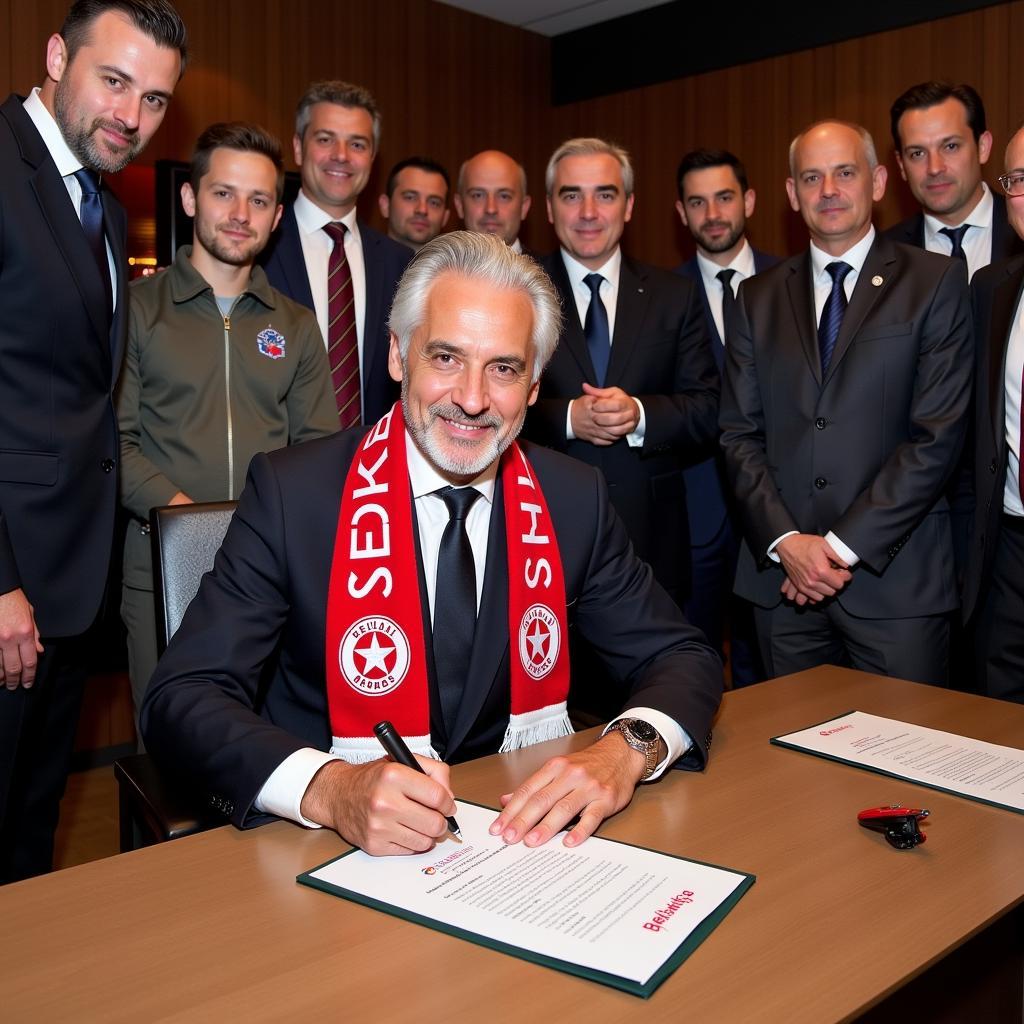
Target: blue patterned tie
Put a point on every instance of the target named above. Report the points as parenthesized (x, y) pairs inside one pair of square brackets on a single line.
[(832, 314), (92, 225), (956, 240), (595, 329)]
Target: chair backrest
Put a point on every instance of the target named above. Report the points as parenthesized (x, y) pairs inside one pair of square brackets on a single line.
[(186, 539)]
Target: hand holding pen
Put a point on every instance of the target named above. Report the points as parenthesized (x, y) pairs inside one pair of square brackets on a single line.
[(398, 751)]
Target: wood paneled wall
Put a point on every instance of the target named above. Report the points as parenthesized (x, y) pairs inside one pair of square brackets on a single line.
[(755, 109), (450, 83)]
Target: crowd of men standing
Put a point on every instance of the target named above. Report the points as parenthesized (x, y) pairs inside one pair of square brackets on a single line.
[(818, 457)]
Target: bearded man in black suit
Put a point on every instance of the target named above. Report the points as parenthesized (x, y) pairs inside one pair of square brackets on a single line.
[(110, 73)]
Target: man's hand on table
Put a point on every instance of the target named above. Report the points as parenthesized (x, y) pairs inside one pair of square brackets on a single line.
[(594, 783), (382, 807)]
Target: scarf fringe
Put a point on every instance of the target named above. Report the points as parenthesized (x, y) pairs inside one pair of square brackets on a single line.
[(550, 723), (364, 749)]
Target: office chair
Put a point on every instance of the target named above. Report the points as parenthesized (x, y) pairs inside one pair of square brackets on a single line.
[(154, 807)]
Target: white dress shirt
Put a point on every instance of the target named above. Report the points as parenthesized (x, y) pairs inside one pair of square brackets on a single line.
[(609, 292), (822, 284), (1012, 418), (742, 263), (976, 243), (316, 250), (283, 791), (67, 163)]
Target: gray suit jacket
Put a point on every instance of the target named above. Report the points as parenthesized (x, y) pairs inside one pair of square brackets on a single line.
[(867, 451)]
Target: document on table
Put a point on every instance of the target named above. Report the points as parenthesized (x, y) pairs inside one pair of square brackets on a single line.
[(614, 913), (954, 764)]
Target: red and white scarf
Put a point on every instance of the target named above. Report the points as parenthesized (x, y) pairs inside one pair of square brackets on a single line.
[(376, 655)]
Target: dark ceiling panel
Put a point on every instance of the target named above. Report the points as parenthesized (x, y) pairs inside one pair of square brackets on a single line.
[(683, 38)]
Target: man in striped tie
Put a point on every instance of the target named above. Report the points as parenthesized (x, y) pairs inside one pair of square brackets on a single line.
[(324, 257), (847, 384)]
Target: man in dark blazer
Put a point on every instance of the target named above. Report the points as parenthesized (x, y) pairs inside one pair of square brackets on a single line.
[(714, 203), (941, 143), (641, 394), (993, 600), (844, 408), (337, 136), (473, 325), (62, 290)]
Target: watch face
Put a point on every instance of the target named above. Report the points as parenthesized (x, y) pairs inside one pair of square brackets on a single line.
[(643, 731)]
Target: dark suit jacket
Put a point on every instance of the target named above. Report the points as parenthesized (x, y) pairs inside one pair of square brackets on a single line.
[(59, 358), (706, 488), (996, 292), (385, 261), (208, 711), (1004, 239), (661, 355), (866, 452)]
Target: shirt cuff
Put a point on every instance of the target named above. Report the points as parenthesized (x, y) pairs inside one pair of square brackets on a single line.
[(674, 735), (775, 543), (569, 435), (282, 793), (851, 558), (636, 439)]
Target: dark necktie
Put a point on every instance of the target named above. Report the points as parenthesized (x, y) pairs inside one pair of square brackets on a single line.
[(342, 340), (832, 314), (728, 301), (454, 603), (956, 238), (595, 329), (92, 225)]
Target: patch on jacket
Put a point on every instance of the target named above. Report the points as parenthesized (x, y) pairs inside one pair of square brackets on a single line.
[(270, 343)]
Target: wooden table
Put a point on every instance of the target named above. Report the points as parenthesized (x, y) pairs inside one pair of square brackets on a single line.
[(214, 927)]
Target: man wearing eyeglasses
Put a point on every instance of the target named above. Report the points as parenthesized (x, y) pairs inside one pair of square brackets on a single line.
[(993, 600)]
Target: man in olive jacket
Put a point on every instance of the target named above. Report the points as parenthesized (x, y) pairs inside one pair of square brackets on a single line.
[(219, 365)]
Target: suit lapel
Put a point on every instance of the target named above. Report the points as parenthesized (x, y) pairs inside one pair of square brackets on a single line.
[(629, 317), (878, 267), (374, 284), (490, 642), (69, 237), (114, 226), (691, 270), (801, 301), (292, 261), (1005, 297), (572, 332)]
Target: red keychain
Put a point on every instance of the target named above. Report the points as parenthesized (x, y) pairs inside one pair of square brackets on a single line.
[(897, 823)]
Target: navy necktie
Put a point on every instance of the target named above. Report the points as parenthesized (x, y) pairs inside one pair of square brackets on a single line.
[(595, 329), (832, 314), (454, 603), (92, 225), (728, 301), (956, 238)]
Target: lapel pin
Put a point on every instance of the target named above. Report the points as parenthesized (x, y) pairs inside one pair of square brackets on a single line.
[(877, 280), (640, 291)]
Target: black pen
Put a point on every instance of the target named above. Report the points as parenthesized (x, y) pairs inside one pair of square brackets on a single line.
[(396, 749)]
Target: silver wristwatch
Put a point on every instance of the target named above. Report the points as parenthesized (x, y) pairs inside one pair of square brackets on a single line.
[(642, 736)]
